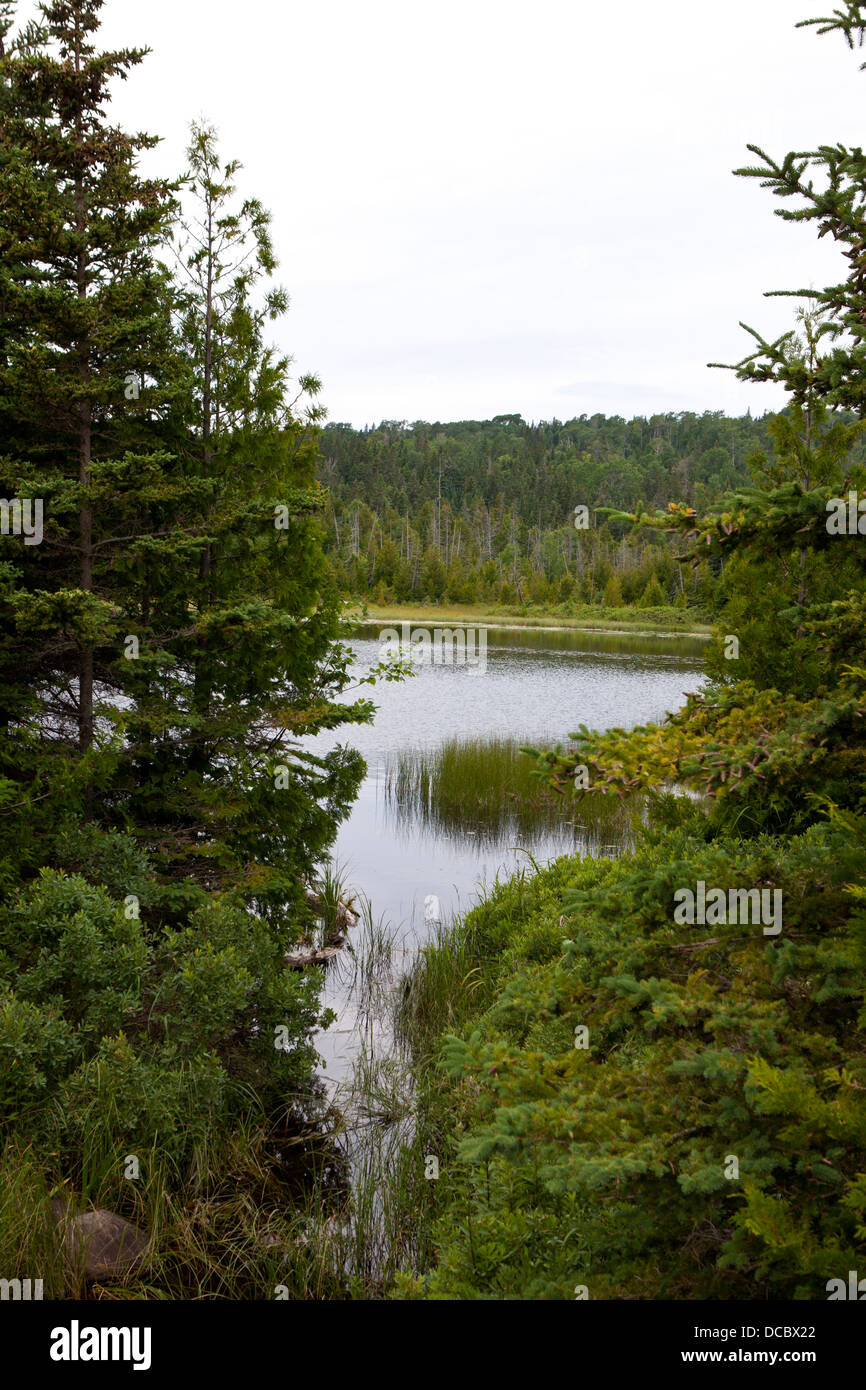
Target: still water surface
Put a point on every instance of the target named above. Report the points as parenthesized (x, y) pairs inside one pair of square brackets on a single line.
[(538, 687)]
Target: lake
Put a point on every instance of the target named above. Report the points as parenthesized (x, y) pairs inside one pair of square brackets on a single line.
[(427, 834)]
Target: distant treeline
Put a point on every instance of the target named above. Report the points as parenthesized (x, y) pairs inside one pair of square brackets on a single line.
[(484, 510)]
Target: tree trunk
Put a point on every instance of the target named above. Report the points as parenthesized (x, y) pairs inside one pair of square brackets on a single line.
[(85, 450)]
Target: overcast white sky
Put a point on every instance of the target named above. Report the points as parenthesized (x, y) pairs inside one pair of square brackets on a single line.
[(485, 207)]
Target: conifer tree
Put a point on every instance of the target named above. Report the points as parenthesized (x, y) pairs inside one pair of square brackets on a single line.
[(777, 1070), (828, 188), (172, 636), (127, 1020), (86, 359), (768, 746), (612, 593), (253, 642)]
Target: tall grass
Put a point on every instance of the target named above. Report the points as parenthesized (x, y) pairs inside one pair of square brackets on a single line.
[(334, 897), (27, 1247), (486, 788), (449, 981), (353, 1244), (226, 1228), (244, 1230), (332, 1204), (386, 1230)]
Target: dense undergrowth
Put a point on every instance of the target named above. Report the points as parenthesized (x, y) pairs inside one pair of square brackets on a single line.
[(599, 1163)]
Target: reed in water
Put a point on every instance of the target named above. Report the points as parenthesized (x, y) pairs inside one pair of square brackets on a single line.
[(486, 788)]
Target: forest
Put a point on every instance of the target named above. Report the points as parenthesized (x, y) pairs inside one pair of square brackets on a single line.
[(484, 512), (589, 1096)]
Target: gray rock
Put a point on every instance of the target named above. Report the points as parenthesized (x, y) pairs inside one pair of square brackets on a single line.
[(99, 1244)]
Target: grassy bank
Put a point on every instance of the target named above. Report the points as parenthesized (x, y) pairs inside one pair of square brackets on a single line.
[(589, 618)]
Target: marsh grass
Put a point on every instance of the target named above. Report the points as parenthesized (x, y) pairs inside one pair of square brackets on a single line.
[(27, 1248), (383, 1229), (253, 1215), (391, 1208), (332, 1214), (435, 994), (326, 1201), (486, 788), (334, 895), (329, 1201), (362, 973)]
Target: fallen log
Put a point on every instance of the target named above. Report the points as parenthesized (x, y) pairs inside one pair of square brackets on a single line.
[(344, 916), (299, 960), (307, 954)]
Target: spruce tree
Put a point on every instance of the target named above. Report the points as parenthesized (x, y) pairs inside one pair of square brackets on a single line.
[(765, 1035), (827, 186), (256, 665), (173, 636), (87, 370)]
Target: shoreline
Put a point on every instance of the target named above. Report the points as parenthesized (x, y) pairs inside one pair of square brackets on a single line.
[(512, 623)]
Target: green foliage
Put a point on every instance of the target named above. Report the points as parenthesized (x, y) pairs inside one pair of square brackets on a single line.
[(657, 1110), (606, 1165), (149, 1037), (652, 596), (166, 646), (612, 597), (179, 655), (483, 511)]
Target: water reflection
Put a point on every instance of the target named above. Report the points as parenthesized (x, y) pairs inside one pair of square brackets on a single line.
[(486, 790), (678, 646), (448, 806), (405, 840)]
